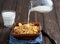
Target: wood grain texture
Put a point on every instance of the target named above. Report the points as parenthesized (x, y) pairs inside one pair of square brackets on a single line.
[(22, 10), (1, 21), (57, 12), (9, 5), (51, 25), (1, 5), (50, 22), (5, 35), (5, 32)]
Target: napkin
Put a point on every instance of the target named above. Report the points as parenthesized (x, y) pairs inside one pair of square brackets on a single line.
[(37, 40)]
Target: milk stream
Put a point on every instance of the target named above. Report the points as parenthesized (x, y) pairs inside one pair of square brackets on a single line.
[(41, 9)]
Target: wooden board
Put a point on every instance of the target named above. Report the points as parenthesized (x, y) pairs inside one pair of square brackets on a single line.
[(57, 12), (7, 5), (51, 26), (22, 10), (1, 5), (1, 21), (50, 22)]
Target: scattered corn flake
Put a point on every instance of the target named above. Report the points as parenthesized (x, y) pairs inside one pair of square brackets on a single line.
[(19, 24)]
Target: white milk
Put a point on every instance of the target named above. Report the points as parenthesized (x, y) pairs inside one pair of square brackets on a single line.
[(8, 18), (41, 9)]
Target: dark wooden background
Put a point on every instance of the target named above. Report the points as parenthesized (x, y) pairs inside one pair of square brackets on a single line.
[(50, 21)]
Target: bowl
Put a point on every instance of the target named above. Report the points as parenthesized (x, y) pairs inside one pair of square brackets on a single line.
[(25, 31)]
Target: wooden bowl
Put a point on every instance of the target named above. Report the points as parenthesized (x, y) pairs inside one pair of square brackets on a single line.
[(25, 36)]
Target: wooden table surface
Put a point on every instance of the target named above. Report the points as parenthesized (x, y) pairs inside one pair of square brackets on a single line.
[(50, 22)]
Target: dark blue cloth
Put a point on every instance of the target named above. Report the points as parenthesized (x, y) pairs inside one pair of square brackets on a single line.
[(37, 40)]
